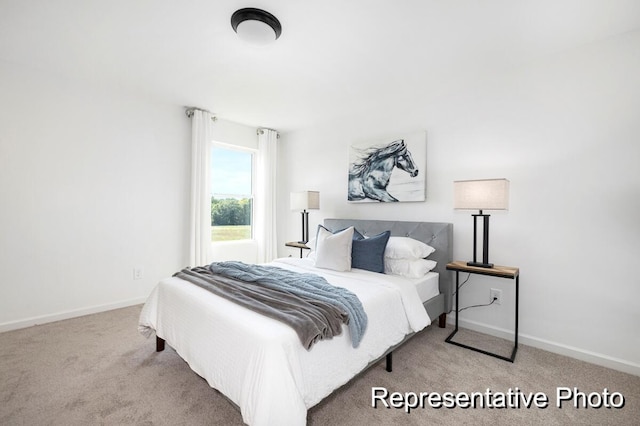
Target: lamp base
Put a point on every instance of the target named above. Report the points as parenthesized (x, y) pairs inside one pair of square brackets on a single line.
[(480, 265)]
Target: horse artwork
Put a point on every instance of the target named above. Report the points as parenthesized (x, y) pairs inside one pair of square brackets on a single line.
[(385, 173)]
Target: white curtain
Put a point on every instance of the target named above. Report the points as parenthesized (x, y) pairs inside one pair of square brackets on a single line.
[(265, 200), (200, 232)]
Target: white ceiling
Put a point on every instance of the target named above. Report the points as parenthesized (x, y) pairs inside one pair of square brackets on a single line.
[(334, 56)]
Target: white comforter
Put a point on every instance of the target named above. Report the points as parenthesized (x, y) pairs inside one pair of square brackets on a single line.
[(259, 363)]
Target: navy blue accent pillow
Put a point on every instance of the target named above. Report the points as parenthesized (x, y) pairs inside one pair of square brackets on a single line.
[(368, 253)]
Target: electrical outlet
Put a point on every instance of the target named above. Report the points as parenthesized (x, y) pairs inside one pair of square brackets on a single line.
[(138, 272), (494, 293)]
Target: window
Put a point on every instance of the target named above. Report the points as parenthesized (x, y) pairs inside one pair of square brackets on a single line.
[(231, 193)]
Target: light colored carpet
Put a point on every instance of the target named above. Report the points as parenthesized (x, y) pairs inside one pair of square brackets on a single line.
[(98, 370)]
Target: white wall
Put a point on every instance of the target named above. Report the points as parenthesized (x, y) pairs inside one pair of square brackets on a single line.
[(564, 131), (93, 182)]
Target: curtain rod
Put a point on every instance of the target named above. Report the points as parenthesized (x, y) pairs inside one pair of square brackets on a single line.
[(189, 112), (261, 130)]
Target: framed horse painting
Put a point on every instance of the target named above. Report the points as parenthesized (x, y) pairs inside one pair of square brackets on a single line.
[(388, 170)]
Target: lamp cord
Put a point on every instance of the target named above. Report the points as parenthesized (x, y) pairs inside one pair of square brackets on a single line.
[(478, 306), (463, 283), (472, 306)]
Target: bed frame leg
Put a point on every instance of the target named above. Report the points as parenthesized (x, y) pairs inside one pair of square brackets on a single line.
[(442, 321), (159, 344), (390, 362)]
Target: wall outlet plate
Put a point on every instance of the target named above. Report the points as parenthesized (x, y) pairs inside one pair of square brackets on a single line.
[(497, 294), (138, 272)]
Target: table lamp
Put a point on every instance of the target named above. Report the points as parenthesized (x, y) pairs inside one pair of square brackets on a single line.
[(483, 194), (305, 200)]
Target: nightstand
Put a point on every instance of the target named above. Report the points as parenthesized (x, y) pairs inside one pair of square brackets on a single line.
[(298, 244), (498, 272)]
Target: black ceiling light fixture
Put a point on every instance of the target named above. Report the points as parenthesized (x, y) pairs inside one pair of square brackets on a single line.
[(256, 25)]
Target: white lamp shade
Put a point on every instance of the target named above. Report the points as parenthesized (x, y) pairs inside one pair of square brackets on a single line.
[(483, 194), (305, 200)]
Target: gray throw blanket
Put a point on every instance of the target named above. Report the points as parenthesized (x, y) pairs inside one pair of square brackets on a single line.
[(310, 305)]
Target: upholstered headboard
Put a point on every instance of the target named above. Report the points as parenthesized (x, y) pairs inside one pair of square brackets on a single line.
[(437, 235)]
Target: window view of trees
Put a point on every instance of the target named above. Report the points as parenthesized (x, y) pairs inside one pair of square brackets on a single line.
[(230, 211), (230, 219), (231, 194)]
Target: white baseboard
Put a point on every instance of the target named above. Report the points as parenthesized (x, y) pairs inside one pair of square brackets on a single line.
[(44, 319), (558, 348)]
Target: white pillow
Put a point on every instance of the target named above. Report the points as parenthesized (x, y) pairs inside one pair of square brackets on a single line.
[(333, 251), (416, 268), (407, 248), (312, 248)]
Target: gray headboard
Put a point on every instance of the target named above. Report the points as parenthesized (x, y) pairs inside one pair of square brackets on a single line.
[(437, 235)]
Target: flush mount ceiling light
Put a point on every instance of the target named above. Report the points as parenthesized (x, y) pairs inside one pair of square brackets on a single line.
[(256, 25)]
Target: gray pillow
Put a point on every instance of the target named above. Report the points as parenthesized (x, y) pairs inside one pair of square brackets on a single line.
[(368, 253)]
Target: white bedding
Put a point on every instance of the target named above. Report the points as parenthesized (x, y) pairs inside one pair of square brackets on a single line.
[(258, 362), (427, 286)]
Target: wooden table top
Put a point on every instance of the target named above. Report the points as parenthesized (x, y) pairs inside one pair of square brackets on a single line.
[(496, 271)]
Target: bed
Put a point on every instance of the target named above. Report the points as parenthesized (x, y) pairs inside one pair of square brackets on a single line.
[(259, 364)]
